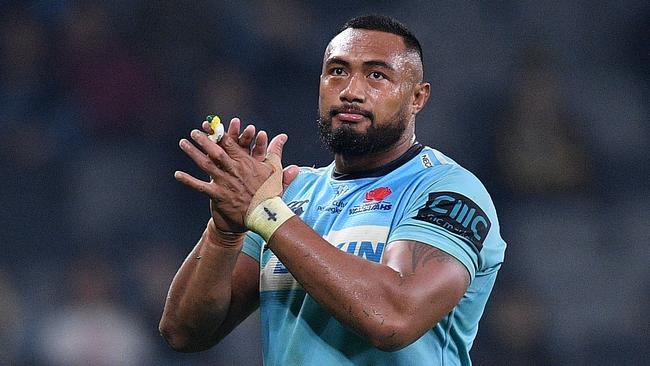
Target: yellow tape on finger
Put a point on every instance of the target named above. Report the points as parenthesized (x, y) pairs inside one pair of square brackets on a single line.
[(217, 127)]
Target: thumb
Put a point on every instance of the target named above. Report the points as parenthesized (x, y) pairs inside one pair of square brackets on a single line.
[(277, 145), (288, 175)]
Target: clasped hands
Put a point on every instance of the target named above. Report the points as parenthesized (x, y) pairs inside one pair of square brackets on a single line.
[(244, 170)]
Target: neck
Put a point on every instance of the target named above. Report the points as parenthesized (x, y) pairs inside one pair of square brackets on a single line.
[(353, 164)]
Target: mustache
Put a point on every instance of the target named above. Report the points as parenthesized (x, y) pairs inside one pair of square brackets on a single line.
[(351, 108)]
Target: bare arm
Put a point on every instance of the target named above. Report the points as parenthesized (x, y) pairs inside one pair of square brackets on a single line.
[(216, 287), (413, 287), (214, 290)]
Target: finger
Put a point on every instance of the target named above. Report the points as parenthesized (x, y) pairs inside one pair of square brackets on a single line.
[(207, 128), (246, 137), (194, 183), (261, 143), (288, 175), (229, 152), (216, 156), (199, 158), (233, 127), (277, 145)]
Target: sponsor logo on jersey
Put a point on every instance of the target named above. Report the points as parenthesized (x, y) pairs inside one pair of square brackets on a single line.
[(364, 248), (275, 276), (333, 207), (374, 200), (457, 214), (296, 206), (368, 249), (367, 241), (426, 162), (371, 206)]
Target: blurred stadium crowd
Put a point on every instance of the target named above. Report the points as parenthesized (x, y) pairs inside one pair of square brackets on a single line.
[(546, 102)]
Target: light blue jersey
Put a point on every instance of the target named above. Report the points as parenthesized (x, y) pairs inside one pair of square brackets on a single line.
[(422, 196)]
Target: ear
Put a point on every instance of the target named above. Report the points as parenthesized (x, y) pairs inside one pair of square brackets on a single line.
[(421, 94)]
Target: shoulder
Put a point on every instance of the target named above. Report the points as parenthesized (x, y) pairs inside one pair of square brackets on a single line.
[(306, 171), (448, 190), (434, 171), (306, 178), (454, 211)]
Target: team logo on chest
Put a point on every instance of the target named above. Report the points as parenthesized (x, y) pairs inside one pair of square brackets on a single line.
[(374, 200)]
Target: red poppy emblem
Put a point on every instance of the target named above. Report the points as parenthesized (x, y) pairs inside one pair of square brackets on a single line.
[(378, 194)]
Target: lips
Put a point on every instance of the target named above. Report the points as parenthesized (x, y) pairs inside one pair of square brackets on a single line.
[(350, 117), (350, 114)]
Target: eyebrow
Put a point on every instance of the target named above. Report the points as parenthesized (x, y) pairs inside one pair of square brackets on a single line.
[(340, 61)]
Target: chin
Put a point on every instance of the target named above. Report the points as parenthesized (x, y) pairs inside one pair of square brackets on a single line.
[(356, 126)]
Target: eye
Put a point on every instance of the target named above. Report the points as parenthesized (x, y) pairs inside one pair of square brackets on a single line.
[(376, 75), (337, 71)]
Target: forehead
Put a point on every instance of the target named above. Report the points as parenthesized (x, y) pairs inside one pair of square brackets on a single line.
[(367, 44)]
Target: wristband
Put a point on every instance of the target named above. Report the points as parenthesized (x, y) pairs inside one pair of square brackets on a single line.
[(267, 217), (227, 238)]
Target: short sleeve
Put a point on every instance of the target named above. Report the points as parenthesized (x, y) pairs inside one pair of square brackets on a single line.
[(453, 213), (253, 245)]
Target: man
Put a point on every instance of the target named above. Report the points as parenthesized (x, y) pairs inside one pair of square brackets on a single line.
[(385, 257)]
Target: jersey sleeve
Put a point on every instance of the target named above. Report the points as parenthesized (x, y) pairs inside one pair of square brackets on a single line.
[(455, 214), (253, 245)]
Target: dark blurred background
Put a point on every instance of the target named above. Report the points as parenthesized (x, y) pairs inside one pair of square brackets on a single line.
[(546, 102)]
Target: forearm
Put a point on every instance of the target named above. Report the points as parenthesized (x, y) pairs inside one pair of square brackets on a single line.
[(200, 294), (373, 299)]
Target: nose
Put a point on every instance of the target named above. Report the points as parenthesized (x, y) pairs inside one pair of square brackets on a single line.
[(354, 90)]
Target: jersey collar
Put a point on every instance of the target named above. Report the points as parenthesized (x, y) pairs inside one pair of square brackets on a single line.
[(382, 170)]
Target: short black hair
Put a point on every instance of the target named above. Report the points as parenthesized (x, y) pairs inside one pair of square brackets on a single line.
[(383, 23)]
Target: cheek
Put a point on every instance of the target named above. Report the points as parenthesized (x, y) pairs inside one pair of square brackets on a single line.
[(389, 103), (326, 91), (388, 92), (377, 94), (322, 95)]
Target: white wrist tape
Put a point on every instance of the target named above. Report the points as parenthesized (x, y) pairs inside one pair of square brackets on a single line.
[(267, 217), (271, 187)]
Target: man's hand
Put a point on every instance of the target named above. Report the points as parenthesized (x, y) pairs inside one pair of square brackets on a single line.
[(236, 171), (257, 145)]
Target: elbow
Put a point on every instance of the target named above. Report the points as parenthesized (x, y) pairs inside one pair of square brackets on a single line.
[(174, 338), (392, 337), (391, 342), (391, 347), (177, 339)]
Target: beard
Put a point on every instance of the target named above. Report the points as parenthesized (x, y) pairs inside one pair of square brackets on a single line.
[(346, 141)]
